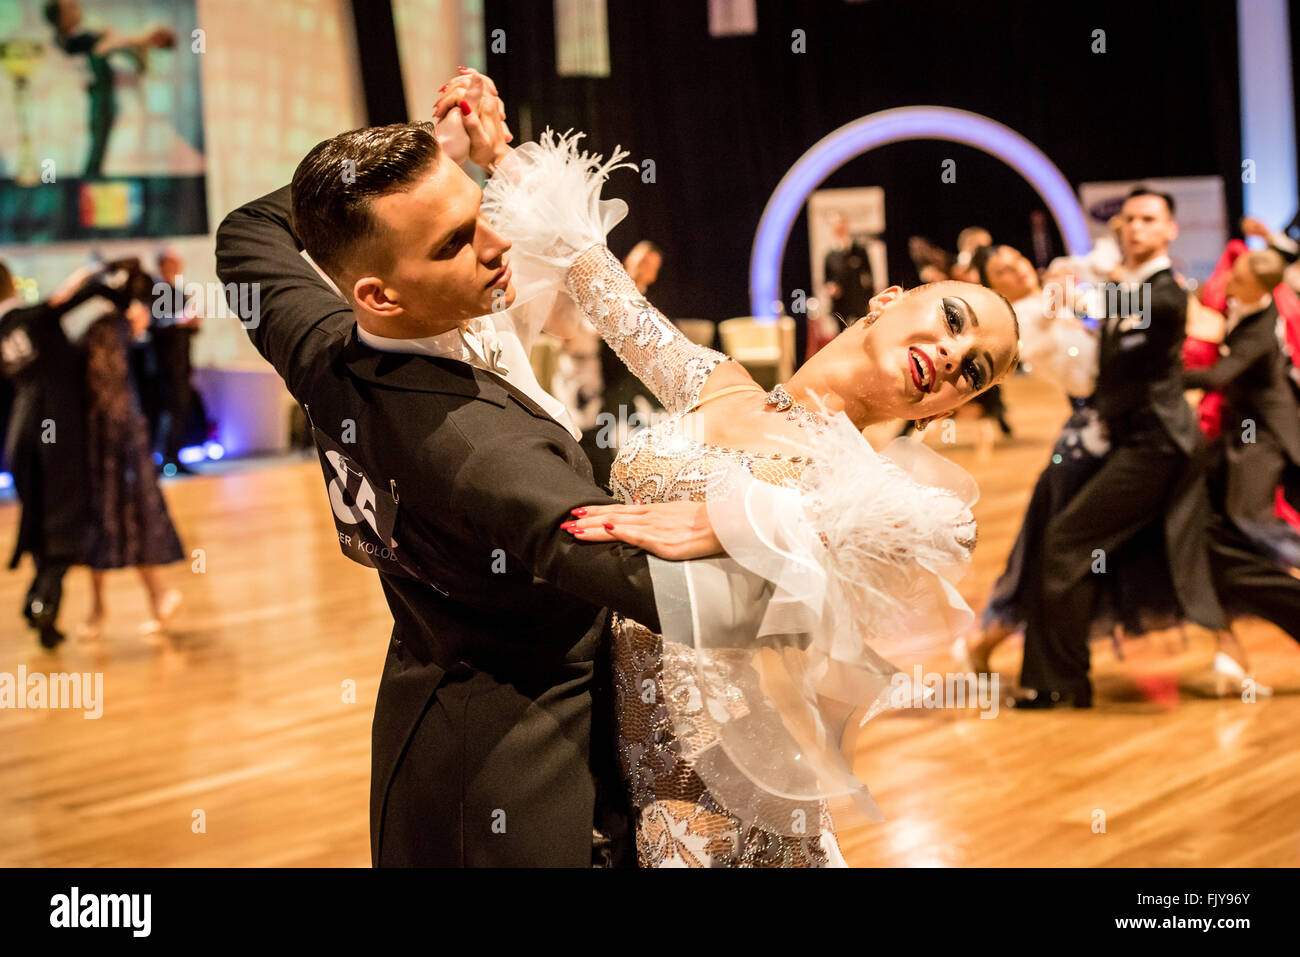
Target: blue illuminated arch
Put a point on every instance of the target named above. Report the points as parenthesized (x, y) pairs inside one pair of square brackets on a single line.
[(893, 126)]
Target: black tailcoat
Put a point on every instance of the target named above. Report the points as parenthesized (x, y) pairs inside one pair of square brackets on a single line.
[(492, 737), (46, 441)]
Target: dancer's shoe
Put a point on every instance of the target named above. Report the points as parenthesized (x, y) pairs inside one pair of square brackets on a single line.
[(49, 636), (1232, 680), (154, 629), (169, 605), (1032, 699)]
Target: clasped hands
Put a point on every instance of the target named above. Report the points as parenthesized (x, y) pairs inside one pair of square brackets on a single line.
[(674, 531), (482, 134)]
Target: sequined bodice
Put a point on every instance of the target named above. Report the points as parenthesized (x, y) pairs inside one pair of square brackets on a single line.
[(663, 464)]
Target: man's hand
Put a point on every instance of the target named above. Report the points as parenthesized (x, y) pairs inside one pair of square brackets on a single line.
[(471, 99), (1253, 227), (675, 531)]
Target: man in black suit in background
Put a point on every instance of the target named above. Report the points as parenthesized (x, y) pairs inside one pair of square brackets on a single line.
[(1154, 472), (171, 335), (848, 273), (492, 738), (1261, 427), (45, 445), (48, 376)]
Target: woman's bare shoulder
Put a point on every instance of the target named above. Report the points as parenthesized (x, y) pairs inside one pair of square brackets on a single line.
[(726, 374)]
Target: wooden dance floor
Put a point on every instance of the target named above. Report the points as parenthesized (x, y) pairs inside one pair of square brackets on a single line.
[(247, 742)]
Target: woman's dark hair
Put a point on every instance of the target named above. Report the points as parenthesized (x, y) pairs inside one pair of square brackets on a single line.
[(979, 261), (7, 287), (334, 184)]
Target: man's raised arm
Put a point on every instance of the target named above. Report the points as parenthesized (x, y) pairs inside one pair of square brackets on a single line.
[(280, 298)]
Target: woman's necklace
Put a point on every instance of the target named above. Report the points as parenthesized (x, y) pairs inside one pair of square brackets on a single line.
[(781, 400)]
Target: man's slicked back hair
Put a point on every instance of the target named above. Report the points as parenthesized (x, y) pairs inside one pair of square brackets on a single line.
[(335, 182)]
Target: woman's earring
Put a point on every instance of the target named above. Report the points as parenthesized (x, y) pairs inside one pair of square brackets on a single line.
[(872, 316), (920, 424)]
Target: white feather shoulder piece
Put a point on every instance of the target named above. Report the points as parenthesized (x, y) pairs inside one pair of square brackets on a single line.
[(545, 199)]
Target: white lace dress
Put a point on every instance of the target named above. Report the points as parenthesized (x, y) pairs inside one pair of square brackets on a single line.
[(678, 822)]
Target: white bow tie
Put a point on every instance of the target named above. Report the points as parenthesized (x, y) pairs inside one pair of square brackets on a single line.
[(481, 341)]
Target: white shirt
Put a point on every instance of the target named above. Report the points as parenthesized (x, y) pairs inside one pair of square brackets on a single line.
[(490, 343), (1145, 271), (1102, 299)]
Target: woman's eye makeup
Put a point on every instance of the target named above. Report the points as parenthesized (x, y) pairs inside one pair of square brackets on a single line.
[(956, 319)]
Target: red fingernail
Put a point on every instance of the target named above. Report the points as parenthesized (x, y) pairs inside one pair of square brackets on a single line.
[(579, 531), (609, 527), (578, 512), (464, 108), (567, 525)]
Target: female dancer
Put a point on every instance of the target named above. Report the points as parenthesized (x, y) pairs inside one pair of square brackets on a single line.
[(1064, 352), (130, 524), (731, 721)]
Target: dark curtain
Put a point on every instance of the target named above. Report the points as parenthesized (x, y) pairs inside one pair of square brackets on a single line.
[(724, 118), (380, 62)]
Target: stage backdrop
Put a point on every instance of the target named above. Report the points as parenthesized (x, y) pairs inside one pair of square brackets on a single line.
[(714, 122), (101, 123)]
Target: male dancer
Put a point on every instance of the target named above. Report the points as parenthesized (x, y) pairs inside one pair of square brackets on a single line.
[(1153, 473), (492, 742), (46, 440), (1058, 348), (1261, 425)]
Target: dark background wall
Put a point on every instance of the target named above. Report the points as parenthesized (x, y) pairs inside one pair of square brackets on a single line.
[(724, 118)]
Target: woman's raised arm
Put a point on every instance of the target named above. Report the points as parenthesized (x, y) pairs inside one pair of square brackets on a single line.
[(673, 367)]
